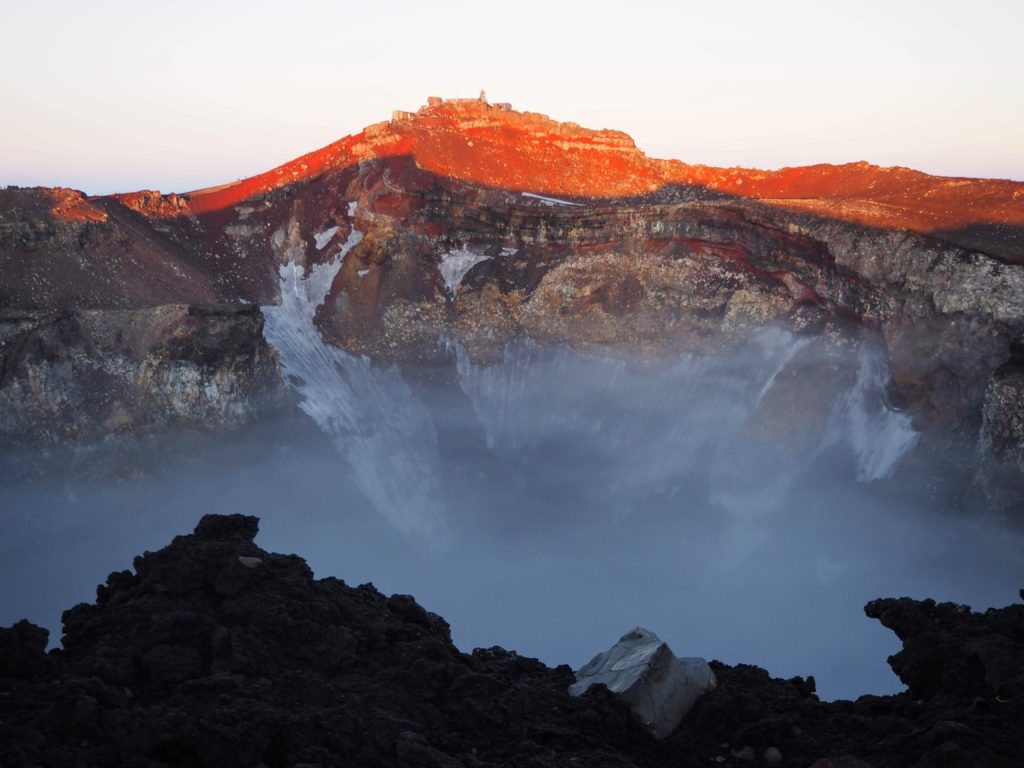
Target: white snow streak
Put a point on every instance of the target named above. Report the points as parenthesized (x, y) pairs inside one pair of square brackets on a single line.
[(454, 266), (879, 435), (323, 238), (551, 200), (371, 415)]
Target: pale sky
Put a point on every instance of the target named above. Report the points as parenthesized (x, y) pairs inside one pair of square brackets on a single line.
[(114, 96)]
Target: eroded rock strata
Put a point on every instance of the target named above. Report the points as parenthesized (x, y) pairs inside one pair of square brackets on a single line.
[(214, 652), (84, 374), (483, 224)]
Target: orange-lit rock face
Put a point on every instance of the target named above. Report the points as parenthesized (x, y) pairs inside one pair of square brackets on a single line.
[(525, 151), (71, 206), (479, 143), (882, 197), (154, 205), (487, 145)]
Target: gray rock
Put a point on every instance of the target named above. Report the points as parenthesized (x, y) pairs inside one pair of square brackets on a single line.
[(84, 374), (659, 687)]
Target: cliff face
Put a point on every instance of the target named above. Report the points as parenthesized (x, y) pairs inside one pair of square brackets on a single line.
[(484, 223), (84, 374), (213, 651)]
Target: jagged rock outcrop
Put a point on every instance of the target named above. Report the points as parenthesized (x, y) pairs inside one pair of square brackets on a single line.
[(213, 651), (948, 651)]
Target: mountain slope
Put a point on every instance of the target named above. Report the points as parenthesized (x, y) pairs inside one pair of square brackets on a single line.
[(482, 224), (492, 146)]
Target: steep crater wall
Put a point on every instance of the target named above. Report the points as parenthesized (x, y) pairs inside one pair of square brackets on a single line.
[(483, 225)]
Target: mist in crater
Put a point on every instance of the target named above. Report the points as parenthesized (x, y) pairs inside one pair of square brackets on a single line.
[(743, 506)]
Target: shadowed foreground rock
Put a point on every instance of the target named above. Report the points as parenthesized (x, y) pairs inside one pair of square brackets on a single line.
[(217, 653)]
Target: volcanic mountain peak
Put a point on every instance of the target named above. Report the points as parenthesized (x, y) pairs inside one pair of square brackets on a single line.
[(467, 115), (472, 140), (492, 145)]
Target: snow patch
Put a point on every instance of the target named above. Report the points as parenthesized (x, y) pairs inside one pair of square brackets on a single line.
[(352, 209), (362, 272), (454, 266), (879, 435), (323, 238), (371, 415), (551, 200), (778, 347)]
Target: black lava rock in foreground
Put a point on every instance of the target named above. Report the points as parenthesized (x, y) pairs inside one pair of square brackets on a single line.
[(217, 653)]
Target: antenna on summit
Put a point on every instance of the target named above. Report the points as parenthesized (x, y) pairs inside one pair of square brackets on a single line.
[(483, 96)]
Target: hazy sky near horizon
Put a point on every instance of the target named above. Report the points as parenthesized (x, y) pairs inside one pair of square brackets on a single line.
[(113, 96)]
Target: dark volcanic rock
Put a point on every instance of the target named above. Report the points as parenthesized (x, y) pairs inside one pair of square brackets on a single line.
[(214, 652), (950, 652)]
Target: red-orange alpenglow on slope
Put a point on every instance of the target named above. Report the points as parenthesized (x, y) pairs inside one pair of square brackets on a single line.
[(433, 228), (492, 145)]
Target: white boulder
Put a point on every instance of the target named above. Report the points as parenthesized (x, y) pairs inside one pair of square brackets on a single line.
[(659, 687)]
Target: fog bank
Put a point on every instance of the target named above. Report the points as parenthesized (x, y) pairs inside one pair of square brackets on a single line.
[(553, 501)]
